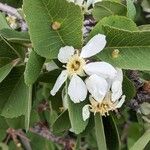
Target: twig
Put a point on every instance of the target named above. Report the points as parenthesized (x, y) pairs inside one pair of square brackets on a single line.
[(43, 131), (10, 10), (18, 137)]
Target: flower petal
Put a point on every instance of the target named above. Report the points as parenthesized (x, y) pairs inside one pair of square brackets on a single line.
[(85, 112), (97, 86), (116, 90), (119, 75), (65, 53), (94, 46), (102, 69), (89, 2), (59, 82), (96, 1), (119, 104), (71, 1), (77, 89), (79, 2), (116, 87)]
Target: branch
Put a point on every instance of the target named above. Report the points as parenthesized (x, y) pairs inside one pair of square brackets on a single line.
[(10, 10), (43, 131)]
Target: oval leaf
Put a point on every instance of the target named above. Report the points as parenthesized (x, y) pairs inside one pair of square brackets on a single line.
[(108, 8), (133, 48), (47, 39), (33, 68)]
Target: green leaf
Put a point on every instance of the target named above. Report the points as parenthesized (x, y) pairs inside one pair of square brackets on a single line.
[(11, 50), (119, 22), (5, 70), (15, 36), (144, 27), (41, 16), (16, 123), (133, 48), (145, 5), (51, 115), (62, 119), (49, 77), (134, 133), (108, 8), (145, 75), (6, 66), (13, 3), (28, 109), (90, 126), (99, 132), (3, 127), (145, 108), (6, 51), (75, 115), (131, 10), (3, 22), (39, 143), (90, 138), (142, 141), (33, 68), (112, 134), (128, 88), (13, 94), (3, 146)]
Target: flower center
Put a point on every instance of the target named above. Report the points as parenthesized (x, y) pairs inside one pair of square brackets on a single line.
[(104, 107), (75, 65)]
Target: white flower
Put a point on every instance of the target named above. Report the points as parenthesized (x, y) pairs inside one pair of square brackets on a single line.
[(76, 66), (105, 95)]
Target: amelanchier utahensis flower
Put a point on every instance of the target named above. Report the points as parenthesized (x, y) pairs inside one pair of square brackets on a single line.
[(106, 94), (77, 65)]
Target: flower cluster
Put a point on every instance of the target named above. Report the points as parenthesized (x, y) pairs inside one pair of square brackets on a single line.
[(106, 94), (104, 82)]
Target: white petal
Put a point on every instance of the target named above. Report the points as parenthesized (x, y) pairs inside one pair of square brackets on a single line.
[(116, 90), (89, 2), (94, 46), (95, 1), (121, 102), (102, 69), (59, 82), (65, 53), (71, 1), (77, 89), (79, 2), (119, 75), (97, 86), (85, 112)]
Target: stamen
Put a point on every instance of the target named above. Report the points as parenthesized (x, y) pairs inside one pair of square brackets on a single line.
[(102, 107), (75, 65)]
